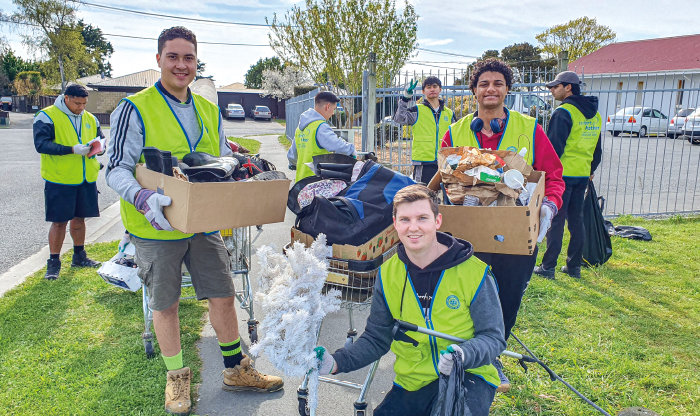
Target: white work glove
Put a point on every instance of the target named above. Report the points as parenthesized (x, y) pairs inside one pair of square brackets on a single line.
[(410, 88), (454, 352), (123, 243), (326, 362), (547, 211), (151, 205), (81, 149)]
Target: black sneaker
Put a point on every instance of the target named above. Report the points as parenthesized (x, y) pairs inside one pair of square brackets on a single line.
[(504, 385), (575, 273), (80, 259), (53, 267), (546, 273)]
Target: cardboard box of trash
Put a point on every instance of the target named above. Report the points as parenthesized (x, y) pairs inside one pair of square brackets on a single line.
[(498, 229), (209, 206), (370, 250)]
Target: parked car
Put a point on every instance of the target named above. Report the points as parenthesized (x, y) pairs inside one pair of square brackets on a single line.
[(262, 111), (638, 120), (235, 111), (675, 127), (6, 103), (692, 127)]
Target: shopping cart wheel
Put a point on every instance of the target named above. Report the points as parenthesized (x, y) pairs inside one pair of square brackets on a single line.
[(303, 407), (360, 408), (148, 347), (253, 335)]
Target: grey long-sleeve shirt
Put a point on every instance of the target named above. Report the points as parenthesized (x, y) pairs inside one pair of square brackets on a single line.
[(325, 137), (45, 135), (126, 142), (485, 310)]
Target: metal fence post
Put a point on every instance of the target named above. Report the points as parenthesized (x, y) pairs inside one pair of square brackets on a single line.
[(369, 104)]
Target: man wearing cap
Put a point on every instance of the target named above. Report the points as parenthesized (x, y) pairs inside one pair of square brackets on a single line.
[(574, 131), (430, 120), (314, 136)]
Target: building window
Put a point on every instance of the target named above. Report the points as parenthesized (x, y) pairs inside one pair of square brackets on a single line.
[(640, 93), (618, 96), (679, 95)]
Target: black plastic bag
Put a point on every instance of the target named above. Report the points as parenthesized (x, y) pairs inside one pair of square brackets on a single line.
[(597, 248), (452, 394)]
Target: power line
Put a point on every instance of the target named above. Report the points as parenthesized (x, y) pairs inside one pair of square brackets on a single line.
[(191, 19), (5, 20), (447, 53)]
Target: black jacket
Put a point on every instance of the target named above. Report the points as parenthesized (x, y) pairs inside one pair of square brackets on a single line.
[(560, 125)]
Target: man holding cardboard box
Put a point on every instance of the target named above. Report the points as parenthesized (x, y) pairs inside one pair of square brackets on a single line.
[(433, 280), (494, 127), (170, 117), (68, 137)]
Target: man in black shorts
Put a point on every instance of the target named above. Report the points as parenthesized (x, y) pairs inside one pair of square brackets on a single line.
[(62, 133)]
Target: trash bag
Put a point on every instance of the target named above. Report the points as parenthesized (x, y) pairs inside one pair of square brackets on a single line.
[(452, 394), (632, 232), (597, 248)]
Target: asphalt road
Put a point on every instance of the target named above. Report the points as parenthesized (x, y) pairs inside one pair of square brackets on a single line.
[(22, 225)]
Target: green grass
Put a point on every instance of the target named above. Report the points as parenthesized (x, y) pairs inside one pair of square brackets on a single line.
[(250, 144), (284, 141), (624, 335), (281, 121), (73, 346)]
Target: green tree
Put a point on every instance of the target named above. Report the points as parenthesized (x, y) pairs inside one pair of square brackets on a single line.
[(254, 78), (53, 32), (579, 36), (336, 36), (201, 67), (12, 64), (98, 47)]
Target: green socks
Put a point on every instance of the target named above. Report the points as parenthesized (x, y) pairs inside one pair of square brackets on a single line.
[(174, 362), (231, 352)]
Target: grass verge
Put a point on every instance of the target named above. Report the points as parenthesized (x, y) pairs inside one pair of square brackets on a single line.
[(250, 144), (284, 141), (281, 121), (624, 335), (73, 346)]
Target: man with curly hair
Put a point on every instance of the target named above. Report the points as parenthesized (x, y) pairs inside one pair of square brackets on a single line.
[(494, 127)]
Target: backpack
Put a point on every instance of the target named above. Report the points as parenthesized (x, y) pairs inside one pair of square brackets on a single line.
[(364, 210)]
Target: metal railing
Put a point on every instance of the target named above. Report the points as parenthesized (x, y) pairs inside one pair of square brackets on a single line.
[(648, 167)]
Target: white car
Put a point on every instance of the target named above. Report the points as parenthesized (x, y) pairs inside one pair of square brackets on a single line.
[(692, 127), (675, 127), (235, 111), (263, 112), (638, 120)]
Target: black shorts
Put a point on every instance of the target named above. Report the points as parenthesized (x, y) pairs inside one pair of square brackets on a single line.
[(65, 202)]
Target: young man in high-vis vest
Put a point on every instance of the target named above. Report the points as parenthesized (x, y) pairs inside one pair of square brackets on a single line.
[(430, 120), (494, 127), (435, 282), (314, 136), (170, 117), (62, 132), (574, 131)]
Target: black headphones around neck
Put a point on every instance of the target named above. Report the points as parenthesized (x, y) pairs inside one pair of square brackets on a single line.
[(477, 125)]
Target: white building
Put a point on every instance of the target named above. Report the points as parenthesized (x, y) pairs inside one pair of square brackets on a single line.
[(661, 73)]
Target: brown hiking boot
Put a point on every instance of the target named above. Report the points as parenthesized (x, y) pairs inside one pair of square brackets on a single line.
[(177, 392), (245, 377)]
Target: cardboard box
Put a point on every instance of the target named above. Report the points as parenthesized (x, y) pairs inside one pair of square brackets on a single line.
[(370, 250), (508, 230), (208, 206)]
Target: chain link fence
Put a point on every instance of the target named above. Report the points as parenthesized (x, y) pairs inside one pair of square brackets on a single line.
[(649, 167)]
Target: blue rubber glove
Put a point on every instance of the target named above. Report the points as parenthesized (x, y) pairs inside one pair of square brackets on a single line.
[(454, 352), (408, 92), (151, 205)]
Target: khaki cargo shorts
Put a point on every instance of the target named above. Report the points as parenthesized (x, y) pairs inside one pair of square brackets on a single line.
[(160, 268)]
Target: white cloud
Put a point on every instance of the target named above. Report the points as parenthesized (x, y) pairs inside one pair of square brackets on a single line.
[(434, 42)]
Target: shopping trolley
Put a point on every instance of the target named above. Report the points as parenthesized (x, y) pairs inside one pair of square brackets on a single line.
[(238, 244), (355, 280)]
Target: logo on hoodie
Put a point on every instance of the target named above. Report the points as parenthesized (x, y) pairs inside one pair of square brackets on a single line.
[(453, 302)]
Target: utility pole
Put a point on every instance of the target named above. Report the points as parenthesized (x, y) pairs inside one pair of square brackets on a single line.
[(563, 61), (369, 103)]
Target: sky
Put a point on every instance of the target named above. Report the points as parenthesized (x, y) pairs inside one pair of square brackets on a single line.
[(462, 27)]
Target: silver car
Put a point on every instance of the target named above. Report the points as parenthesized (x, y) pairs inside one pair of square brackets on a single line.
[(235, 111), (675, 127), (262, 112), (692, 127), (638, 120)]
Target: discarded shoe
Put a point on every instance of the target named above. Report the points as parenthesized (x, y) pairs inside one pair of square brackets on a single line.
[(244, 377), (53, 267), (177, 392), (575, 273), (80, 259), (546, 273)]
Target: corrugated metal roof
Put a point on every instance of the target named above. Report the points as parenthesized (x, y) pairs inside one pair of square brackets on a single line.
[(137, 79), (649, 55)]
